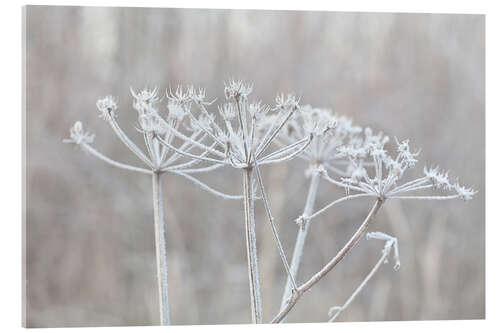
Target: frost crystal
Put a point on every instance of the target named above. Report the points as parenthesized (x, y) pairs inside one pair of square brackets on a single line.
[(237, 89), (382, 180), (78, 135), (107, 107)]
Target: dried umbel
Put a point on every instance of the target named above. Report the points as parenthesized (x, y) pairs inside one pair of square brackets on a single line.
[(158, 158), (387, 179), (329, 130), (240, 142), (79, 136), (374, 172), (180, 133)]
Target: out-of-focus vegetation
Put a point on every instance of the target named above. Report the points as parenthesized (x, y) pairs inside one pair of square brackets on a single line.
[(90, 250)]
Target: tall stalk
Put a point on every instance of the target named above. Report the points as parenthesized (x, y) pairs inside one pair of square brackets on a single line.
[(301, 237), (161, 250), (251, 245)]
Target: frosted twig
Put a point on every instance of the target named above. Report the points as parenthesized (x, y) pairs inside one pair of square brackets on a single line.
[(329, 266), (390, 243), (430, 197), (130, 145), (290, 156), (189, 155), (335, 202), (202, 170), (273, 227), (301, 237), (88, 148), (208, 188)]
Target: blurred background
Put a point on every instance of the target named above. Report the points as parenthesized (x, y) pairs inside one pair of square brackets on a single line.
[(90, 256)]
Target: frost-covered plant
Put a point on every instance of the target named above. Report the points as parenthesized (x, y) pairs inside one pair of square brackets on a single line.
[(385, 181), (158, 160), (330, 132), (242, 144), (391, 243), (240, 137)]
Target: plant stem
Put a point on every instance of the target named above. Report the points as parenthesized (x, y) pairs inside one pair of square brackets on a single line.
[(251, 245), (383, 258), (329, 266), (301, 237), (161, 253)]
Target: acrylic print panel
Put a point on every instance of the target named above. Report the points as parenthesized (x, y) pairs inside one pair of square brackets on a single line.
[(199, 166)]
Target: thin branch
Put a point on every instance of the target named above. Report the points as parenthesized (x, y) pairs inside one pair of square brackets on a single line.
[(186, 154), (267, 141), (330, 265), (418, 181), (130, 145), (291, 156), (338, 171), (339, 309), (188, 164), (209, 133), (186, 146), (349, 197), (284, 150), (301, 237), (243, 127), (114, 163), (201, 170), (195, 142), (447, 197), (207, 188), (346, 186), (273, 227), (414, 188)]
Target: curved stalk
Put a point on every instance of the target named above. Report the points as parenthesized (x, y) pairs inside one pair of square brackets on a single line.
[(301, 237), (329, 266), (160, 246), (91, 150), (251, 246), (391, 243)]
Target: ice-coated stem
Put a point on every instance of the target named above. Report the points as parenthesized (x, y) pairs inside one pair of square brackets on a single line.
[(329, 266), (251, 245), (301, 237), (389, 245), (161, 253)]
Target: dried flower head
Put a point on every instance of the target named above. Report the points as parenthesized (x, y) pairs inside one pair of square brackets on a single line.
[(240, 141), (389, 171), (330, 132), (237, 89), (288, 102), (107, 107), (78, 135)]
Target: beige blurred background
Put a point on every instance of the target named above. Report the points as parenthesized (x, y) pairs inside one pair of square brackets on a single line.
[(90, 251)]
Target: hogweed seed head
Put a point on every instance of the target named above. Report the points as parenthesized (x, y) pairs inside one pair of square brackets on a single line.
[(389, 171), (146, 96), (288, 102), (152, 124), (237, 89), (463, 192), (78, 135), (107, 107)]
